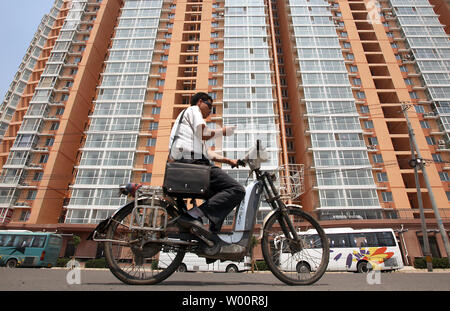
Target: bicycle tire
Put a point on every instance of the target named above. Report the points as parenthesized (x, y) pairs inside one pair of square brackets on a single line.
[(303, 267), (142, 270)]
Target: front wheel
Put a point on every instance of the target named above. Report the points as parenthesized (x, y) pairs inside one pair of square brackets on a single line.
[(300, 260), (11, 263)]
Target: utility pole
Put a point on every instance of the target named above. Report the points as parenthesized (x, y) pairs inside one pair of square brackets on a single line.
[(419, 163), (426, 243)]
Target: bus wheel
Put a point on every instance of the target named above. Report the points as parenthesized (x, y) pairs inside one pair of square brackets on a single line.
[(182, 268), (303, 267), (364, 267), (232, 269), (11, 263)]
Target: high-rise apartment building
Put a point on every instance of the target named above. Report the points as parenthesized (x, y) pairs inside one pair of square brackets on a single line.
[(321, 83)]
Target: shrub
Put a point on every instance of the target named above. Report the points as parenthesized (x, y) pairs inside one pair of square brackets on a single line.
[(261, 265), (62, 262), (438, 263), (96, 263)]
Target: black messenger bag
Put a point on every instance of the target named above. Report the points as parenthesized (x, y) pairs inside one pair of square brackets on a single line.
[(185, 179)]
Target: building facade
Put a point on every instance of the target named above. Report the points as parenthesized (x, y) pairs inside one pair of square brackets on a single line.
[(322, 83)]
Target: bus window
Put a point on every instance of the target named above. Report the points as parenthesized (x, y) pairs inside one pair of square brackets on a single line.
[(338, 240), (55, 241), (19, 241), (313, 241), (2, 240), (38, 242), (358, 240), (385, 239), (9, 240)]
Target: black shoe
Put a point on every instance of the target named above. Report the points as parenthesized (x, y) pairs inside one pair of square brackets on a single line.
[(214, 228), (188, 221)]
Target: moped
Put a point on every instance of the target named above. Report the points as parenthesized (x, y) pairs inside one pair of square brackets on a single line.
[(135, 235)]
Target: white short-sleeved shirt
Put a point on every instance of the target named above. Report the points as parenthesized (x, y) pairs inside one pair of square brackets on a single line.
[(188, 142)]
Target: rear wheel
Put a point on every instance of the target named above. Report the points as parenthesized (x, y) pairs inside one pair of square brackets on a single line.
[(295, 262), (134, 255)]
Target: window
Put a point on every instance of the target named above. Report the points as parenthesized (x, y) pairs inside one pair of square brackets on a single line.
[(382, 177), (149, 159), (338, 240), (37, 176), (43, 158), (25, 215), (413, 95), (151, 142), (368, 124), (364, 109), (377, 158), (419, 109), (54, 126), (153, 126), (360, 95), (430, 140), (437, 158), (31, 195), (387, 196), (49, 142), (373, 141), (444, 176), (146, 177), (425, 125)]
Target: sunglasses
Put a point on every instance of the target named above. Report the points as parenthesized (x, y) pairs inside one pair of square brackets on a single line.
[(210, 105)]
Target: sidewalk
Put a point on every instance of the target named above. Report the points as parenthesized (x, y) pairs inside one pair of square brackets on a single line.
[(410, 269)]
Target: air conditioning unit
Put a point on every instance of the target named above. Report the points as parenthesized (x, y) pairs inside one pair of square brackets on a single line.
[(441, 142)]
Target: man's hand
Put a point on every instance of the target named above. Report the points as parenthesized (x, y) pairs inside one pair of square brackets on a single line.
[(232, 163), (228, 130)]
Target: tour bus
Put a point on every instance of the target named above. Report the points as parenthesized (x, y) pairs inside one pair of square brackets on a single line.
[(350, 250), (191, 262), (23, 248)]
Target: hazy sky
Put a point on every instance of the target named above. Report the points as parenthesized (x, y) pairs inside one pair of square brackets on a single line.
[(19, 20)]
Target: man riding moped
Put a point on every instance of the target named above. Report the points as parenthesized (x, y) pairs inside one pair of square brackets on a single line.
[(187, 145)]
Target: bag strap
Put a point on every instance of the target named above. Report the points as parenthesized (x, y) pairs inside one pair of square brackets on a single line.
[(176, 132)]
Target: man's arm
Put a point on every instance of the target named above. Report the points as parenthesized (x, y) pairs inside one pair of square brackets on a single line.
[(208, 133), (221, 159)]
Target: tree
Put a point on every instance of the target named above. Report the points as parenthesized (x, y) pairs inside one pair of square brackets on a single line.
[(76, 241)]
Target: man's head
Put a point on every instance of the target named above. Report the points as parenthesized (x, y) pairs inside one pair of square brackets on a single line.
[(204, 102)]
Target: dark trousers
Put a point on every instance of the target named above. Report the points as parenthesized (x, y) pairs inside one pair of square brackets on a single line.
[(224, 195)]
